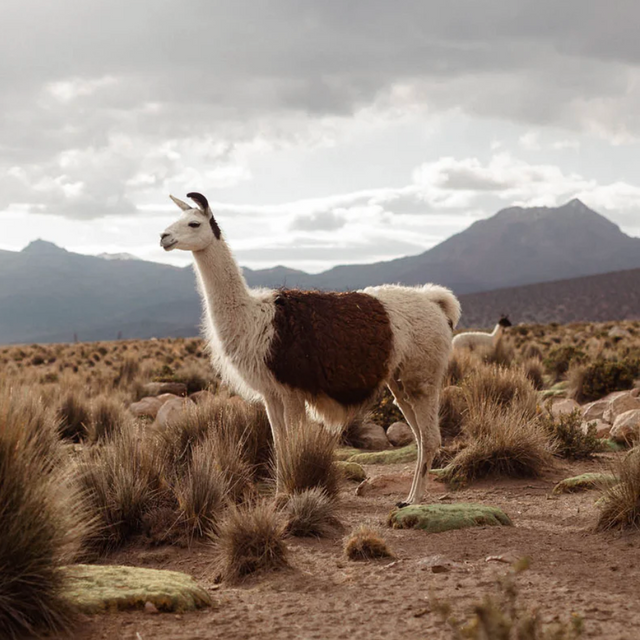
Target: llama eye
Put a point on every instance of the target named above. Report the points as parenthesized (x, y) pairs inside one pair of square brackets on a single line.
[(194, 225)]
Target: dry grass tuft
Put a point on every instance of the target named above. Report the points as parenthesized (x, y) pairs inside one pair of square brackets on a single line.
[(123, 481), (201, 492), (74, 416), (108, 416), (306, 460), (503, 442), (453, 405), (250, 540), (366, 544), (501, 353), (620, 505), (42, 522), (533, 370), (311, 513)]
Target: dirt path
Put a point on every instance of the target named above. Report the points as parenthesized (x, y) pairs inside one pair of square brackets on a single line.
[(325, 596)]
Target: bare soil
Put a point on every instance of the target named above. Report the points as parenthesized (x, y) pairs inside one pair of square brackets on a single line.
[(324, 595)]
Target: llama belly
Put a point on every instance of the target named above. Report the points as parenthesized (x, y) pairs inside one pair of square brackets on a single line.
[(334, 344)]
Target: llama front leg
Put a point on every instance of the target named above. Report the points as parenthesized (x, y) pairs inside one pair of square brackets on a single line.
[(275, 413)]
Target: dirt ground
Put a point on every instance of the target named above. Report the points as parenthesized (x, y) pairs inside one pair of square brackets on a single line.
[(324, 595)]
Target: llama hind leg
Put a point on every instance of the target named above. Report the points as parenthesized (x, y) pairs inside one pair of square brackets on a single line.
[(420, 408), (276, 415), (402, 400)]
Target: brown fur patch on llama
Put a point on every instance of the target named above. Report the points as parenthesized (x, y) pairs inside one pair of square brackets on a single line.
[(338, 344)]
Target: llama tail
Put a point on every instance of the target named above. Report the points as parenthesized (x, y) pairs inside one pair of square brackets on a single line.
[(445, 299)]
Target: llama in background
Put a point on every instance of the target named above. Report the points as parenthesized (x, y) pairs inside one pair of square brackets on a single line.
[(477, 339), (327, 352)]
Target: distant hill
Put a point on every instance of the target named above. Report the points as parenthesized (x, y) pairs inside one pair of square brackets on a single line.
[(608, 296), (48, 294)]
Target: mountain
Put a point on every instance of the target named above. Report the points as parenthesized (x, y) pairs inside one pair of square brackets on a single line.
[(515, 246), (48, 294), (607, 296)]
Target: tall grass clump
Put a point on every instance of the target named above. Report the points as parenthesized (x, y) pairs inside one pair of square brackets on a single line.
[(502, 441), (366, 544), (123, 483), (493, 384), (310, 513), (42, 521), (108, 416), (501, 353), (74, 416), (305, 460), (250, 540), (620, 504)]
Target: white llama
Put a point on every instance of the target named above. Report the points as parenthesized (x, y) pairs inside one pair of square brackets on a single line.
[(473, 339), (327, 352)]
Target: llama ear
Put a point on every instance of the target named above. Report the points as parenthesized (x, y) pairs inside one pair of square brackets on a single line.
[(183, 205), (200, 200)]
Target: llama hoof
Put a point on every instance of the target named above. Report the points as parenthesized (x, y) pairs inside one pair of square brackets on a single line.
[(402, 504)]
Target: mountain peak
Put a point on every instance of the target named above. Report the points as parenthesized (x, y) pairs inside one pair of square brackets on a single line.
[(43, 247)]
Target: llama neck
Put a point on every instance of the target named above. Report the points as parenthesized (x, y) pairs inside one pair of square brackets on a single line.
[(226, 296), (497, 331)]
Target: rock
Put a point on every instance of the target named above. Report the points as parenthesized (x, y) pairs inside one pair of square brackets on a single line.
[(400, 434), (100, 588), (352, 471), (594, 410), (620, 403), (171, 411), (618, 333), (149, 607), (437, 564), (158, 388), (565, 405), (148, 407), (585, 482), (395, 456), (635, 392), (200, 397), (602, 429), (626, 428), (435, 518), (371, 436)]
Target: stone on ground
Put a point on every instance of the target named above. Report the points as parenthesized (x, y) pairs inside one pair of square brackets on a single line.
[(393, 456), (563, 406), (400, 434), (584, 482), (371, 436), (594, 410), (621, 402), (602, 429), (626, 428), (435, 518), (171, 411), (158, 388), (149, 406), (352, 470), (102, 588)]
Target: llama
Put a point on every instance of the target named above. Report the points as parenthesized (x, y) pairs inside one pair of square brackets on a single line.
[(477, 339), (324, 353)]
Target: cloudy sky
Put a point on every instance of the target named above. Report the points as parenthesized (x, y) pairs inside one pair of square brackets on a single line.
[(324, 132)]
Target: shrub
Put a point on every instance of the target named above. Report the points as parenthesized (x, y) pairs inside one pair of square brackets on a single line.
[(503, 442), (599, 378), (42, 522), (384, 411), (366, 544), (561, 358), (305, 460), (250, 539), (310, 513), (501, 617), (567, 437), (74, 416), (620, 504)]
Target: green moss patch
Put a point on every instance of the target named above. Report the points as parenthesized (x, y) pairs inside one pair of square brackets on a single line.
[(101, 588), (344, 453), (390, 456), (435, 518), (585, 482), (352, 471)]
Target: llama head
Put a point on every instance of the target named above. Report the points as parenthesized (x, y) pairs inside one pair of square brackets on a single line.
[(195, 230), (504, 321)]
